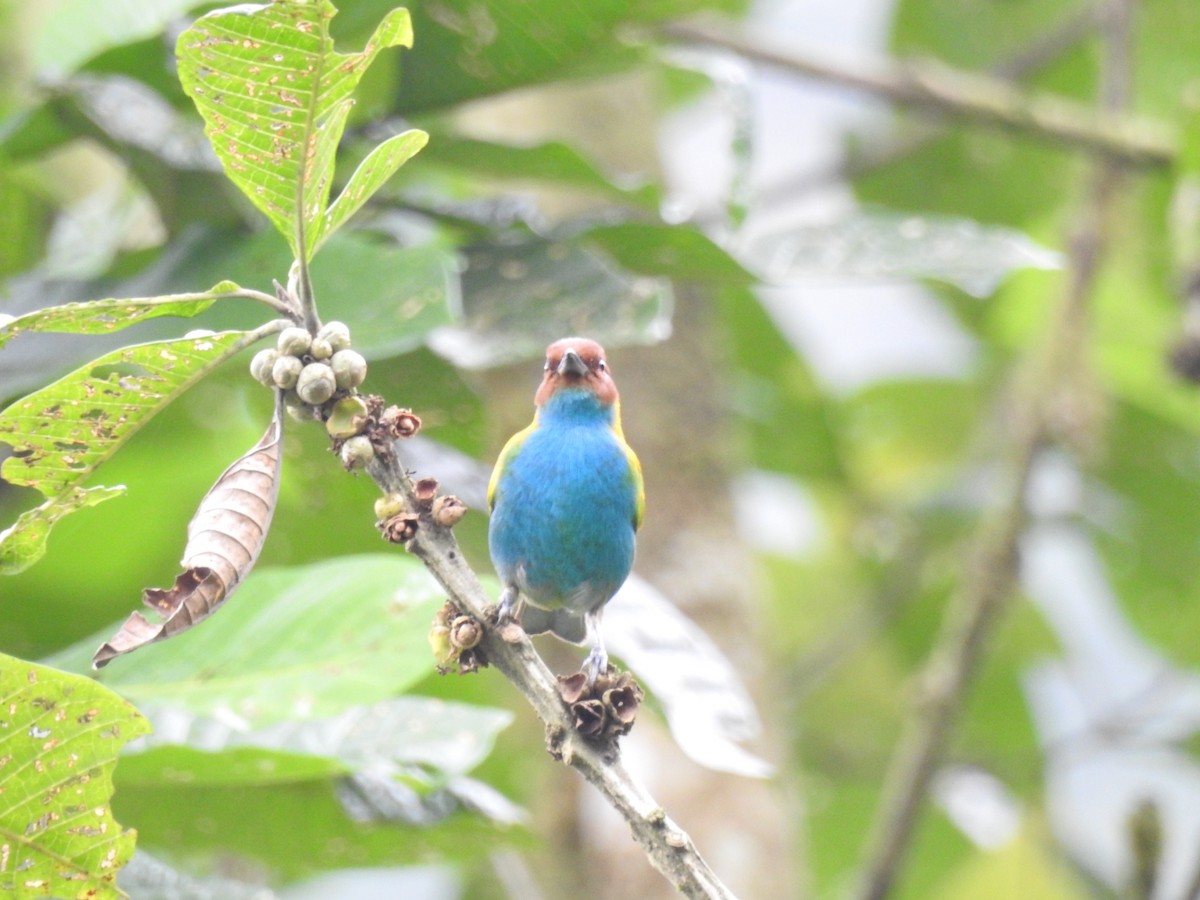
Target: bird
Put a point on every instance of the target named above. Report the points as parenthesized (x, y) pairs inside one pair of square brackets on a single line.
[(566, 499)]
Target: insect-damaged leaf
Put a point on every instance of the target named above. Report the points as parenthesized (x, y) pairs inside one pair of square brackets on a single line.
[(63, 432), (104, 316), (224, 540), (274, 96), (59, 738), (24, 542)]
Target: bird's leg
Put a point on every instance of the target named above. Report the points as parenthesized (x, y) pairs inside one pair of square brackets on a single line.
[(509, 604), (597, 658)]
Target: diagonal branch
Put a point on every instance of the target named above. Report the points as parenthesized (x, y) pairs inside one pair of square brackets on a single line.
[(1047, 406), (667, 847), (970, 95)]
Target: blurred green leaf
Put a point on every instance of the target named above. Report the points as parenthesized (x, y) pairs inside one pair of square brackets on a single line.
[(518, 296), (59, 740), (390, 296), (77, 30), (679, 252), (274, 96), (293, 829), (300, 643), (247, 765), (548, 162), (471, 50)]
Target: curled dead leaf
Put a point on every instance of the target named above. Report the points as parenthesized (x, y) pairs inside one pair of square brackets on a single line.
[(224, 539)]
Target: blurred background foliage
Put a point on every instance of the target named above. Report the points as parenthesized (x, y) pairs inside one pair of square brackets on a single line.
[(820, 440)]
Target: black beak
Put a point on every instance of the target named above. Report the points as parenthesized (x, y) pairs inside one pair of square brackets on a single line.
[(572, 364)]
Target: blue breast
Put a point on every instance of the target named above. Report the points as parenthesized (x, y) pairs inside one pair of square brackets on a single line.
[(563, 522)]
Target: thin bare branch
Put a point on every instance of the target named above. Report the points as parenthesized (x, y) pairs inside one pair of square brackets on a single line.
[(970, 95)]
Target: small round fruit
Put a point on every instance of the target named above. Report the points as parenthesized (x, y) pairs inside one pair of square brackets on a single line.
[(347, 418), (286, 371), (337, 334), (294, 341), (316, 383), (388, 505), (297, 408), (349, 368), (320, 349), (357, 452), (261, 365)]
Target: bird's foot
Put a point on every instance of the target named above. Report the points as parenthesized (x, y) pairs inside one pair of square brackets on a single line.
[(595, 663), (506, 610)]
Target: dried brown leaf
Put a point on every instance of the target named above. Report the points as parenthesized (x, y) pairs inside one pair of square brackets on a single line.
[(224, 540)]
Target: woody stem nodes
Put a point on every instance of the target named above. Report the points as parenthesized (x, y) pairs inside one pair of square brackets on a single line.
[(1053, 401), (667, 847)]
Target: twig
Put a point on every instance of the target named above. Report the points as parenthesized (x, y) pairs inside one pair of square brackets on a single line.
[(1040, 414), (668, 848), (1128, 140), (875, 154)]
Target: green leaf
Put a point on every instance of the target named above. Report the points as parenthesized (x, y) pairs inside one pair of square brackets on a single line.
[(467, 49), (24, 542), (299, 643), (59, 739), (371, 174), (519, 296), (673, 251), (553, 161), (104, 316), (63, 432), (274, 96)]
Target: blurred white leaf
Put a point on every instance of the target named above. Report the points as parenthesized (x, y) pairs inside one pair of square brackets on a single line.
[(148, 878), (888, 246), (1106, 717), (451, 738), (708, 708)]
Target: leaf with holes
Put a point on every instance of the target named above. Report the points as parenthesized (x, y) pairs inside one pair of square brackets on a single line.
[(104, 316), (24, 542), (62, 433), (59, 739), (274, 96), (224, 540)]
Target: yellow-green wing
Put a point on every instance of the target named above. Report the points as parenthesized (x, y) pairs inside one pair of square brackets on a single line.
[(635, 472), (511, 449)]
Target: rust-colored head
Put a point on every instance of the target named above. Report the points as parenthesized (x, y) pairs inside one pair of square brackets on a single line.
[(576, 362)]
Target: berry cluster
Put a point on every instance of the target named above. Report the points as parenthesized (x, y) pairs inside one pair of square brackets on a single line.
[(310, 370), (318, 376)]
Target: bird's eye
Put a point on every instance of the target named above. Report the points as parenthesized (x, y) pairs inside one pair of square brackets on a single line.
[(602, 366)]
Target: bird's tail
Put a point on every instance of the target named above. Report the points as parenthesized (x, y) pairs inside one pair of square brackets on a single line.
[(567, 624)]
